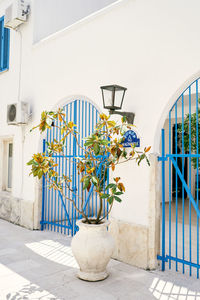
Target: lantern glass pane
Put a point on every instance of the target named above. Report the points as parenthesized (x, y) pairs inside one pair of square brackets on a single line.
[(108, 98), (118, 98)]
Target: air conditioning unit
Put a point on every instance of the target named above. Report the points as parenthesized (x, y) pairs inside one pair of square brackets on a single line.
[(16, 14), (18, 113)]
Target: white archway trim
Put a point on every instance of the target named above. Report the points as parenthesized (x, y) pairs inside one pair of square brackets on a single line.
[(61, 103), (170, 102), (72, 98)]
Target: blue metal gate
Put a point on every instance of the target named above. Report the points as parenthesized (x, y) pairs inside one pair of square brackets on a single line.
[(59, 214), (180, 157)]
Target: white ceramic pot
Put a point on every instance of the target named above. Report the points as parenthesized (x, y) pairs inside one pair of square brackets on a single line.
[(92, 247)]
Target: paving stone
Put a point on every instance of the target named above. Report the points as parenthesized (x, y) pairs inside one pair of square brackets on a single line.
[(40, 265)]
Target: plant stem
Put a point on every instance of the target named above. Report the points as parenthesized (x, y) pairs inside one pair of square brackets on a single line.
[(61, 191), (107, 212), (100, 211)]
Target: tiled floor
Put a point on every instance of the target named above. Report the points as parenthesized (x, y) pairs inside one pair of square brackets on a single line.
[(40, 265)]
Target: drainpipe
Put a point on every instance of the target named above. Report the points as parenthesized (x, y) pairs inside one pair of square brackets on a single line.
[(18, 100)]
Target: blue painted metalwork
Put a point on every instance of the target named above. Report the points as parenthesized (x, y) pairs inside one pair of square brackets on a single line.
[(176, 151), (4, 46), (170, 189), (6, 49), (183, 183), (197, 150), (163, 200), (183, 198), (2, 42), (43, 193), (58, 213), (190, 231)]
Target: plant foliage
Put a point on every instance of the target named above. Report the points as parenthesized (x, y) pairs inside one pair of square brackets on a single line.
[(188, 136), (103, 150)]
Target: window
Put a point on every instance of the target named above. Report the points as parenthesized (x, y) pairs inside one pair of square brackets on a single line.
[(7, 166), (4, 46)]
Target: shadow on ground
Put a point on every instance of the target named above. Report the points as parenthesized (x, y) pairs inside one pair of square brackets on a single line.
[(40, 265)]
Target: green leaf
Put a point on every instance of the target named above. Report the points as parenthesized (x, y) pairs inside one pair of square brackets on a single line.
[(110, 199), (86, 182), (88, 143), (105, 196), (110, 186), (40, 173), (114, 189), (30, 162), (119, 193), (148, 162), (117, 199), (124, 119), (50, 173), (104, 142), (96, 148)]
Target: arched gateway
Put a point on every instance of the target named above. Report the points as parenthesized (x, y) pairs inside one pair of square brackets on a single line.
[(180, 161), (58, 214)]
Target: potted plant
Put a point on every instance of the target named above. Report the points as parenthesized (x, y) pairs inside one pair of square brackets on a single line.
[(93, 245)]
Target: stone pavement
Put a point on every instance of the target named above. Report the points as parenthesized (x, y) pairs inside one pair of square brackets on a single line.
[(40, 265)]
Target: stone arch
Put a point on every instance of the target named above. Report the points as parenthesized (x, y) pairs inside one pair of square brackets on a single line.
[(170, 102)]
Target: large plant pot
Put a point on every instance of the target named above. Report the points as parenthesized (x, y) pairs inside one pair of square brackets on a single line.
[(92, 247)]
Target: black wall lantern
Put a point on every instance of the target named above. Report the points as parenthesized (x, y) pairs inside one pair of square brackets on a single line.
[(113, 97)]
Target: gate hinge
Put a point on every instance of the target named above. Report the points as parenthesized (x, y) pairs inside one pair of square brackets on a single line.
[(162, 158)]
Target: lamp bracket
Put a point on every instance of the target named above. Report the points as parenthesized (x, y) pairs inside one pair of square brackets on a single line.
[(129, 115)]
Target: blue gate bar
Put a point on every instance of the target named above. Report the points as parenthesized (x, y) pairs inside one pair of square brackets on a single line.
[(70, 162), (66, 213), (191, 199), (107, 208), (180, 155), (43, 194), (49, 191), (58, 169), (55, 195), (88, 212), (79, 140), (176, 148), (65, 172), (183, 191), (62, 172), (163, 201), (58, 225), (52, 193), (74, 178), (93, 214), (67, 162), (197, 170), (185, 262), (190, 230), (170, 188)]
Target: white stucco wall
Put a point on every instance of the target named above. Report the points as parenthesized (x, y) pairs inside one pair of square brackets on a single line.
[(51, 16), (10, 93), (149, 46)]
